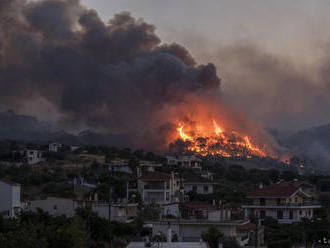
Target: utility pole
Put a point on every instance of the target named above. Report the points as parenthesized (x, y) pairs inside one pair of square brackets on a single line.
[(110, 197), (256, 242)]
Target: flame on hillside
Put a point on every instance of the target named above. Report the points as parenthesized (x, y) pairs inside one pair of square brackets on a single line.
[(212, 139)]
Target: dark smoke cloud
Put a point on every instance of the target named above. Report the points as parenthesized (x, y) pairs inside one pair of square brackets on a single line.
[(272, 89), (112, 77)]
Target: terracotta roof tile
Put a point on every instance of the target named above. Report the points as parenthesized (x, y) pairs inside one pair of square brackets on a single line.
[(249, 227), (7, 181), (273, 191)]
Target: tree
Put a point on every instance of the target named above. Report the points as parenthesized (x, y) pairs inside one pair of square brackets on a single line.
[(212, 236)]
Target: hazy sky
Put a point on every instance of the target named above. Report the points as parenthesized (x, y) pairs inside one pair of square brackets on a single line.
[(272, 56)]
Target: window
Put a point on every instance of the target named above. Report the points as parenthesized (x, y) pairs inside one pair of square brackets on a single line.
[(194, 188), (300, 212), (295, 199), (278, 201), (55, 207), (279, 214), (262, 214), (291, 215), (206, 188), (262, 201)]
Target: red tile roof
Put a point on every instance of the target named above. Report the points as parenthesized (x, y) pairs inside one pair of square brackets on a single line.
[(197, 205), (296, 184), (7, 181), (273, 191), (156, 176), (249, 227)]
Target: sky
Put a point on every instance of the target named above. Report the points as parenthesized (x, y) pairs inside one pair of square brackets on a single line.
[(272, 56)]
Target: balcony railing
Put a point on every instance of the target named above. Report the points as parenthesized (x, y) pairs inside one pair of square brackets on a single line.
[(156, 187)]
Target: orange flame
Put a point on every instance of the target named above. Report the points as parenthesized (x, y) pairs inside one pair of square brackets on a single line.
[(184, 136), (218, 142), (217, 129)]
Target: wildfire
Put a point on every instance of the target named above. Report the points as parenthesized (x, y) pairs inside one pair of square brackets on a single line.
[(216, 141)]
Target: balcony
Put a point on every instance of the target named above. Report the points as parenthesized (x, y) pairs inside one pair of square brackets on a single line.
[(286, 205), (156, 187)]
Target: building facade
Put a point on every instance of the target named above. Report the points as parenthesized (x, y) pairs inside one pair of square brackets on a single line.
[(56, 206), (286, 204), (10, 195), (200, 186), (185, 161), (159, 188)]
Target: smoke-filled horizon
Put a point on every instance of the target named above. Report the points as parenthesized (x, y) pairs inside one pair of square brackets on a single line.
[(113, 77), (272, 56)]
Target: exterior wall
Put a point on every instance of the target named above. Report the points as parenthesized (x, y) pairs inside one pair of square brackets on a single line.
[(199, 188), (54, 147), (193, 231), (184, 161), (171, 209), (297, 214), (159, 192), (54, 206), (67, 207), (219, 215), (296, 199), (33, 156), (124, 168), (6, 194)]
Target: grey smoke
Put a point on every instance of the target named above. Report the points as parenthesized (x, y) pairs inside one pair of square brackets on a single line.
[(112, 77)]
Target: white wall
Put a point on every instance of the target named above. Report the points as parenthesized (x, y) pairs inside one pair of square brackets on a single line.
[(200, 188), (54, 206), (6, 195)]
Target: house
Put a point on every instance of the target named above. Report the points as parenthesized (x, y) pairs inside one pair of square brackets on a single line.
[(54, 147), (185, 161), (146, 166), (200, 186), (159, 188), (168, 245), (286, 203), (196, 210), (121, 212), (10, 195), (33, 156), (308, 188), (120, 165), (190, 230)]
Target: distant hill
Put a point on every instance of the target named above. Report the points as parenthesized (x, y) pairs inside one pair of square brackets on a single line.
[(313, 142), (30, 129)]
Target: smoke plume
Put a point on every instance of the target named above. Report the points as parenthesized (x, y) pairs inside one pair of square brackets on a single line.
[(114, 77)]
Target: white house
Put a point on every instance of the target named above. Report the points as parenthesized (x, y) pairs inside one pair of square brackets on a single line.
[(10, 195), (122, 212), (169, 245), (191, 230), (284, 202), (146, 166), (185, 161), (33, 156), (196, 210), (54, 147), (200, 186), (159, 188), (119, 165)]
